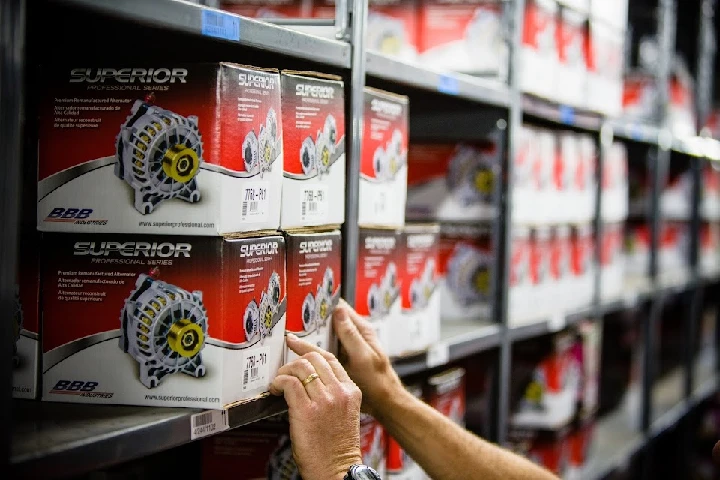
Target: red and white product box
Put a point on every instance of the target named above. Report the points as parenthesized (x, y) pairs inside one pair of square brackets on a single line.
[(549, 397), (400, 466), (637, 249), (710, 203), (579, 444), (612, 261), (378, 280), (26, 344), (681, 110), (639, 96), (520, 304), (192, 150), (267, 9), (587, 352), (584, 180), (525, 185), (581, 285), (544, 174), (674, 247), (392, 28), (313, 286), (615, 184), (614, 12), (453, 183), (259, 453), (373, 444), (676, 197), (540, 276), (710, 248), (560, 269), (605, 49), (539, 53), (571, 40), (582, 6), (464, 36), (548, 449), (446, 394), (313, 188), (161, 320), (466, 268), (564, 199), (419, 325), (383, 167)]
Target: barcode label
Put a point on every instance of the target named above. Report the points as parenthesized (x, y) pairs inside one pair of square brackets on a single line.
[(208, 423), (256, 369), (220, 25), (255, 205), (314, 204)]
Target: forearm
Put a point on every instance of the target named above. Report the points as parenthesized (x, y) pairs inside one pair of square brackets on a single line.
[(445, 450)]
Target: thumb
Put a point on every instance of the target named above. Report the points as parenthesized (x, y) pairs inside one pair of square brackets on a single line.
[(346, 331)]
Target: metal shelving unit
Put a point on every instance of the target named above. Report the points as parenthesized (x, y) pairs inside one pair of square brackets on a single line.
[(60, 439)]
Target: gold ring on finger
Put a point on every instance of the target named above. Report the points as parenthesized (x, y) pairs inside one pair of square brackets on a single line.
[(310, 378)]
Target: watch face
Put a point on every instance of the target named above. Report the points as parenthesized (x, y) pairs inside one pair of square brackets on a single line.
[(363, 472)]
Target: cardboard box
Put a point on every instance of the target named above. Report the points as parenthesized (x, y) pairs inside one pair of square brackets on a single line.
[(546, 211), (614, 181), (637, 248), (564, 197), (419, 325), (467, 269), (454, 182), (191, 150), (613, 12), (710, 248), (399, 465), (580, 289), (267, 9), (464, 36), (560, 279), (585, 180), (383, 167), (571, 40), (525, 188), (392, 28), (520, 303), (377, 294), (313, 285), (605, 53), (372, 444), (161, 320), (446, 394), (579, 445), (313, 188), (539, 57), (587, 350), (710, 202), (612, 261), (540, 252), (26, 341)]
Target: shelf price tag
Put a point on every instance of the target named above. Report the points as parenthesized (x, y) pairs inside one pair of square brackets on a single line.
[(567, 115), (220, 25), (208, 423), (448, 84), (438, 354)]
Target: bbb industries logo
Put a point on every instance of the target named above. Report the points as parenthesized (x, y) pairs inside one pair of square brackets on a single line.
[(73, 215)]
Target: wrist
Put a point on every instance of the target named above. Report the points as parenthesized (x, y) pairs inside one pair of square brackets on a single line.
[(393, 399)]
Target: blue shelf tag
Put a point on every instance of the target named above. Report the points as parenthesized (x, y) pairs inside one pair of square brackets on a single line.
[(220, 25), (567, 115), (635, 132), (448, 84)]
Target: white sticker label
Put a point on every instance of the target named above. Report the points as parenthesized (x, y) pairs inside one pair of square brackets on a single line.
[(208, 423), (314, 204), (438, 354), (255, 202), (256, 369)]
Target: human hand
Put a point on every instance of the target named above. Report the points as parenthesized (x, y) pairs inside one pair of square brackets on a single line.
[(365, 360), (324, 413)]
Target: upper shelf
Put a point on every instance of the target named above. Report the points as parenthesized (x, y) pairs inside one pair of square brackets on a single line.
[(472, 88), (561, 114), (204, 21)]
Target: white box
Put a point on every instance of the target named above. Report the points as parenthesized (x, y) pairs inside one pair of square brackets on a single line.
[(582, 266), (419, 325), (454, 182), (161, 320), (586, 182), (392, 28), (637, 249), (377, 288), (615, 195), (314, 141), (373, 444), (613, 12), (546, 208), (612, 261), (605, 69), (539, 58), (383, 163), (520, 302), (710, 248), (464, 36), (572, 39), (540, 251), (559, 296), (710, 206), (524, 184), (26, 316), (314, 270), (567, 197), (467, 263), (191, 150)]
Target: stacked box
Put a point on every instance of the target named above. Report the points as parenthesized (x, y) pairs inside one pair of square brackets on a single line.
[(26, 316)]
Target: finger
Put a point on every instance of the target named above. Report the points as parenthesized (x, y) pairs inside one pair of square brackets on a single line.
[(323, 368), (295, 394), (363, 326), (302, 369), (347, 331), (302, 348)]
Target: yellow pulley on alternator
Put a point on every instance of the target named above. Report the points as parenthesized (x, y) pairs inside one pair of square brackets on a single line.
[(181, 163), (185, 338)]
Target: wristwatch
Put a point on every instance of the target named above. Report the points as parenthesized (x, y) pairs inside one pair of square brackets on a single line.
[(361, 472)]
